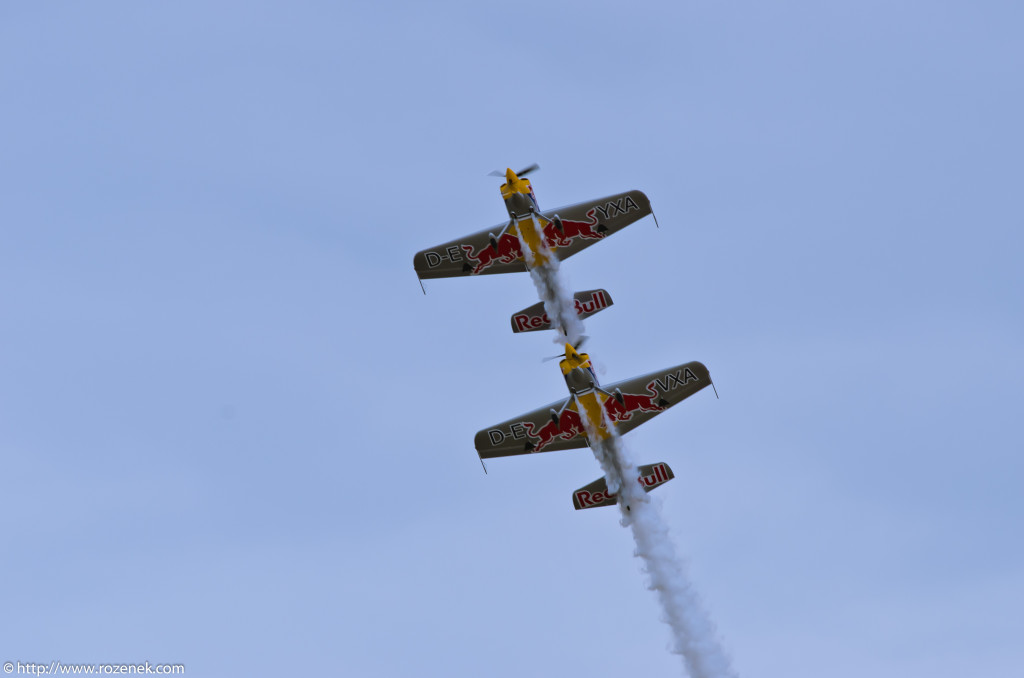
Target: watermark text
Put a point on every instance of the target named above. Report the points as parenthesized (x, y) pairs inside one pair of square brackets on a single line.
[(59, 668)]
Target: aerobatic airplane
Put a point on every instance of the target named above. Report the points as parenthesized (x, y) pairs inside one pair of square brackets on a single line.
[(560, 232), (624, 405)]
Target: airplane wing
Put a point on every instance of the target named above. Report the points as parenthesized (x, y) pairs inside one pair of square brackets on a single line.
[(585, 223), (472, 255), (494, 251), (630, 403), (534, 432), (635, 401)]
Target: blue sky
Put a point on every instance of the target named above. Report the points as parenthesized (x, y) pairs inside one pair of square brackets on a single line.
[(235, 435)]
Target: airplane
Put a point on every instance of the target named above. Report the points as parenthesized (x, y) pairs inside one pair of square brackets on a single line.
[(623, 405), (531, 236)]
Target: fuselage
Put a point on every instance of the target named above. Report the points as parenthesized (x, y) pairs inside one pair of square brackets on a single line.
[(518, 196), (527, 221), (583, 385)]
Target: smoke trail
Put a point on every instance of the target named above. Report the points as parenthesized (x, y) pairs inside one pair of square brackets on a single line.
[(694, 636), (558, 301), (606, 457), (693, 632)]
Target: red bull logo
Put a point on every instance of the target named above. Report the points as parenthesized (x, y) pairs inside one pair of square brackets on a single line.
[(633, 402), (597, 494), (618, 407), (568, 426), (524, 323), (507, 251), (584, 499), (588, 230), (534, 318), (509, 248)]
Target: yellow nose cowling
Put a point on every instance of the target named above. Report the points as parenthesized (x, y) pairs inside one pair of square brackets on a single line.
[(573, 359)]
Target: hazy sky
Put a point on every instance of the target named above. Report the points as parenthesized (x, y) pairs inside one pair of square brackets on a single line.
[(235, 435)]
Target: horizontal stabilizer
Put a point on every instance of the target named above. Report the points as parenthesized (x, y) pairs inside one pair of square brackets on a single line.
[(596, 493), (535, 318)]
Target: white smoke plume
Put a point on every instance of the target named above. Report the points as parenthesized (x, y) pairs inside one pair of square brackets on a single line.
[(694, 636), (614, 473), (558, 301)]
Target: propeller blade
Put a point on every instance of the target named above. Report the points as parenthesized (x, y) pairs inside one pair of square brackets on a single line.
[(521, 173), (553, 357)]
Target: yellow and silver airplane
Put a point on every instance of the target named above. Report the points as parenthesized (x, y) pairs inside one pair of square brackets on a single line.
[(531, 236), (624, 405)]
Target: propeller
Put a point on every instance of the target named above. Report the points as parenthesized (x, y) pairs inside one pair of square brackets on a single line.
[(521, 173), (576, 346)]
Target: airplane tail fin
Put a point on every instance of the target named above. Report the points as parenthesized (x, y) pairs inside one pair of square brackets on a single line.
[(596, 493), (534, 318)]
